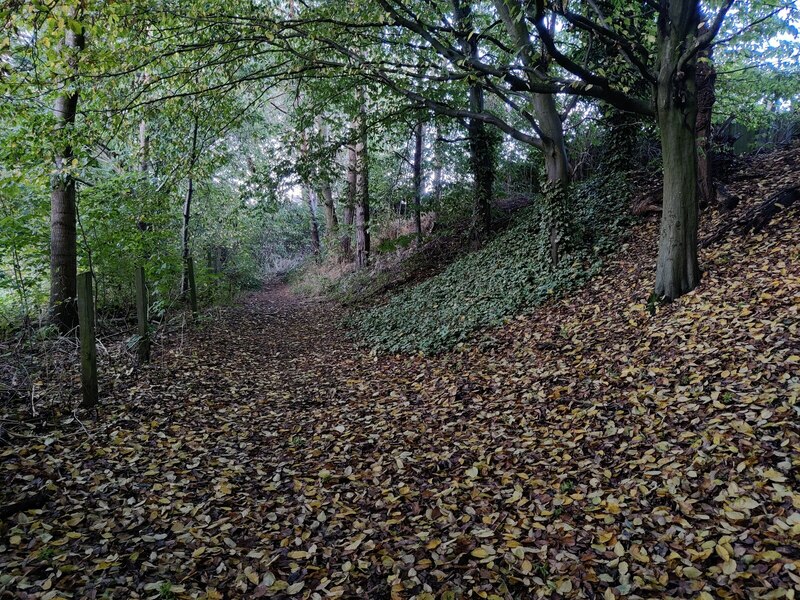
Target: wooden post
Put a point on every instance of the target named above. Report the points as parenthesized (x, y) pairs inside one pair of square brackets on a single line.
[(192, 286), (88, 347), (143, 349)]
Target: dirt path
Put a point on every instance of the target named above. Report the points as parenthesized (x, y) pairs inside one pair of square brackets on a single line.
[(268, 457)]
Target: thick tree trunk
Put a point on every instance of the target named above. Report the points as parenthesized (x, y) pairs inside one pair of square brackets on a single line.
[(554, 148), (348, 211), (63, 208), (362, 192), (706, 78), (418, 180), (482, 164), (677, 271)]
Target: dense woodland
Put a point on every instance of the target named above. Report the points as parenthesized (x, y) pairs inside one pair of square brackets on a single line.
[(399, 299)]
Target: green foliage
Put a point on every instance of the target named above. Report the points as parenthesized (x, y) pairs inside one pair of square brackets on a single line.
[(511, 273)]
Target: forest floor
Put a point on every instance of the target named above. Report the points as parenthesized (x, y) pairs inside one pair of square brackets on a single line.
[(599, 447)]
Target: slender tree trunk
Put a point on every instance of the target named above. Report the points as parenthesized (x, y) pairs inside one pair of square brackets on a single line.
[(309, 198), (144, 166), (348, 211), (551, 132), (63, 207), (677, 271), (187, 212), (706, 77), (331, 221), (418, 179), (326, 193), (549, 121), (144, 147), (437, 168), (480, 143), (362, 192)]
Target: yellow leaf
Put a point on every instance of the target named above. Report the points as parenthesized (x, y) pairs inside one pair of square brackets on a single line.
[(745, 503), (297, 554), (691, 572), (729, 567), (199, 552), (638, 553), (734, 515), (722, 552), (479, 553), (774, 475), (295, 587), (251, 575), (565, 587)]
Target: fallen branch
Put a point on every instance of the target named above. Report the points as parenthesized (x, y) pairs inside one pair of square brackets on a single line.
[(757, 217)]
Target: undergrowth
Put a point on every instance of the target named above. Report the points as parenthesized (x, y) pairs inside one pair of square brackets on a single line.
[(511, 273)]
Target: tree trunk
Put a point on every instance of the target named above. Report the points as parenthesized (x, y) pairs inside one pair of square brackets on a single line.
[(331, 222), (418, 180), (437, 168), (63, 208), (482, 164), (551, 132), (144, 147), (554, 149), (362, 192), (480, 143), (187, 212), (348, 212), (308, 196), (706, 78), (677, 271), (549, 121), (326, 193)]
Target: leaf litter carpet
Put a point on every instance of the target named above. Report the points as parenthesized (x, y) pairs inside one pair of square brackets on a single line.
[(597, 448)]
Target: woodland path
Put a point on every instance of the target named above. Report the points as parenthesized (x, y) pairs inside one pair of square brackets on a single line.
[(576, 452)]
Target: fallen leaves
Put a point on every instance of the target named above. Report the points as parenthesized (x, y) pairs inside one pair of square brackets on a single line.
[(638, 456)]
